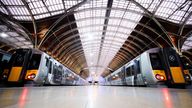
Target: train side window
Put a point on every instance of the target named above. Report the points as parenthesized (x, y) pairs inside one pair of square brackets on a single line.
[(138, 67), (132, 69), (120, 74), (50, 67), (155, 61), (47, 61), (19, 59)]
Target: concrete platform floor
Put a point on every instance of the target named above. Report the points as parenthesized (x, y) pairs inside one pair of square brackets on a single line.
[(94, 97)]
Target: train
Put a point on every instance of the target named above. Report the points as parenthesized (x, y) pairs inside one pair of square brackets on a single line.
[(32, 66), (154, 67)]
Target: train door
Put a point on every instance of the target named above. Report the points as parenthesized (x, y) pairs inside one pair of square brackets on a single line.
[(138, 79), (50, 69), (57, 77), (174, 70), (19, 62), (129, 75), (57, 74), (54, 73)]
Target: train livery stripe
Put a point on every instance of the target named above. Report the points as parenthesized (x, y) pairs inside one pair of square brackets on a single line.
[(177, 75), (160, 72), (15, 74), (29, 72)]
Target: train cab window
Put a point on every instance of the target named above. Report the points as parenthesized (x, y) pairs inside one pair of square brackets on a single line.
[(156, 61), (35, 61), (18, 60), (172, 57)]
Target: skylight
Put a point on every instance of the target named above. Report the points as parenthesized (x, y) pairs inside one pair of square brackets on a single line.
[(188, 43), (101, 45), (14, 39), (39, 8)]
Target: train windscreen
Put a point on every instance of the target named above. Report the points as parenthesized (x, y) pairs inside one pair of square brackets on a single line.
[(156, 61), (19, 59), (35, 61)]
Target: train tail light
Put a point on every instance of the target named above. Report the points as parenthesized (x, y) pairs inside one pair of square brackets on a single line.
[(31, 76), (159, 77)]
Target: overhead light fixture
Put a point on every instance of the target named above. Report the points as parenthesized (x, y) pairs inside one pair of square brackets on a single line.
[(3, 35)]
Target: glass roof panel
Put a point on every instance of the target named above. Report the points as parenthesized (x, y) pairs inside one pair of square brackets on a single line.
[(12, 38), (107, 37), (189, 21), (90, 25), (174, 11), (12, 2), (147, 3), (187, 44), (15, 10), (3, 10), (169, 9), (38, 7)]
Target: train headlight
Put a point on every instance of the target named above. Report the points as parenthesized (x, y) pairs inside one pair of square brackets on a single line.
[(32, 76), (4, 76), (159, 77), (187, 77)]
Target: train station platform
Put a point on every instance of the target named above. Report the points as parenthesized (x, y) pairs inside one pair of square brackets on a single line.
[(94, 97)]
